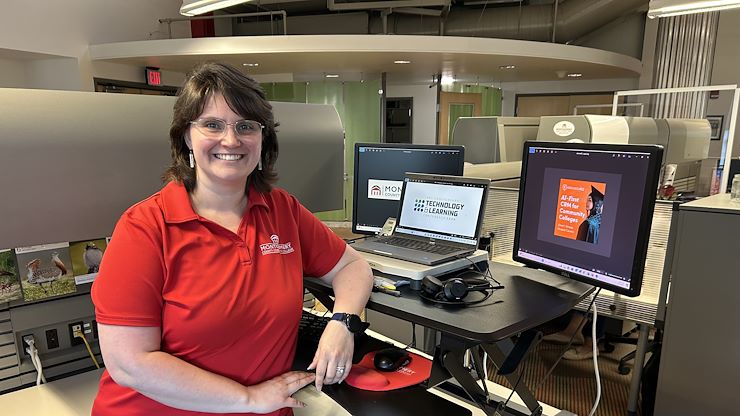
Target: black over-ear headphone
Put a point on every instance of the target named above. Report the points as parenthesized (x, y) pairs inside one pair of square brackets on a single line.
[(453, 291)]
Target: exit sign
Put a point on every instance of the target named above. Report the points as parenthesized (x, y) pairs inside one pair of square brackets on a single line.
[(153, 76)]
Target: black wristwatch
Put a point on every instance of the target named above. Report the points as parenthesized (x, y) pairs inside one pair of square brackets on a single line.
[(352, 321)]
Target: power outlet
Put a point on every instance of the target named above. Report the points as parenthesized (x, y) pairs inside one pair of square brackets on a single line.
[(24, 346), (52, 339), (75, 327)]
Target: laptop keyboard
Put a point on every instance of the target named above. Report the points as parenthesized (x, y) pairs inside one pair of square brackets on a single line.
[(418, 245)]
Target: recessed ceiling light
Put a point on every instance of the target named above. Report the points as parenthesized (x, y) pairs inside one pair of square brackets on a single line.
[(251, 64), (507, 67), (400, 61), (575, 75), (332, 75)]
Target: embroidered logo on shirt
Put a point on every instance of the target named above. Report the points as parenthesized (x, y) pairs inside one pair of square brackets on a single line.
[(276, 247)]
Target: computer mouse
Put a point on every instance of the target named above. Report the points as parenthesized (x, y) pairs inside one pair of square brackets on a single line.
[(390, 359)]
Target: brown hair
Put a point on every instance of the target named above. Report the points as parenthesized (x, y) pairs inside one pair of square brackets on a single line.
[(244, 96)]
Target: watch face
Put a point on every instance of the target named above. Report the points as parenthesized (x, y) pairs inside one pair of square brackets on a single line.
[(354, 323)]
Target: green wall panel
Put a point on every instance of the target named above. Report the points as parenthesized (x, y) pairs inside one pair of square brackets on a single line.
[(490, 96), (292, 92), (358, 106)]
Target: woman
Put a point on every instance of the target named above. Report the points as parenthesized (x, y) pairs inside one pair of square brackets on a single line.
[(200, 292), (588, 231)]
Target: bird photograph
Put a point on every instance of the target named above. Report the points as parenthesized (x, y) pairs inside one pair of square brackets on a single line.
[(92, 257), (10, 287), (46, 272), (86, 258)]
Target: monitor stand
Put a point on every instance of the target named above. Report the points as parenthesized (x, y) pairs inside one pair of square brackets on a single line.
[(415, 271)]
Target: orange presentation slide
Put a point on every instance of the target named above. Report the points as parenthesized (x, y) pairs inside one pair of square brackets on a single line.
[(572, 205)]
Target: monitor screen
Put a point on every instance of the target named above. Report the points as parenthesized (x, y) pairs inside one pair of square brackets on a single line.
[(585, 211), (443, 207), (380, 169)]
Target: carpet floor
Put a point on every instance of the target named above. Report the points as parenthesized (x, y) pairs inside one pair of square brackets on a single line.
[(572, 386)]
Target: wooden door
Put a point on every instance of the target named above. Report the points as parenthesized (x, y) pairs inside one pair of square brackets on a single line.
[(454, 98)]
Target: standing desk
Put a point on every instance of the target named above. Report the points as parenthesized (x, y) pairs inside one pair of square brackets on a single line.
[(530, 298)]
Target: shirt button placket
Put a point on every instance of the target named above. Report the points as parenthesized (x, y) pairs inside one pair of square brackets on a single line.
[(244, 255)]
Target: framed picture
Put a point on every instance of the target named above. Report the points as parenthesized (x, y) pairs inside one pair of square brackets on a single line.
[(715, 123)]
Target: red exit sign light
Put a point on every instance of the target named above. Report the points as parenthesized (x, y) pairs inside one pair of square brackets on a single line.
[(153, 76)]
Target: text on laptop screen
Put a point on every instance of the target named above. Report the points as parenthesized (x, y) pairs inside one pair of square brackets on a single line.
[(379, 171), (446, 211), (585, 211)]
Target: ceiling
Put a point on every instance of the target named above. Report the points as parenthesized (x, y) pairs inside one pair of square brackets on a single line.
[(482, 38)]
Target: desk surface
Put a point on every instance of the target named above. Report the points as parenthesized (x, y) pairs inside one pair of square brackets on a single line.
[(530, 297)]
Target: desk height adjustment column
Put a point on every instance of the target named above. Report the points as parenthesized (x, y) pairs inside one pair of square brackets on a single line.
[(448, 362)]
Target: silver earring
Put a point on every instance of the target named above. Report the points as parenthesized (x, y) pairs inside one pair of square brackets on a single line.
[(192, 160), (259, 164)]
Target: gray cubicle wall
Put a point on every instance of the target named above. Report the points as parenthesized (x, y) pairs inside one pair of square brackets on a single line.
[(648, 308), (72, 162)]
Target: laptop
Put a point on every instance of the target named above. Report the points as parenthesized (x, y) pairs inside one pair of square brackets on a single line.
[(439, 220)]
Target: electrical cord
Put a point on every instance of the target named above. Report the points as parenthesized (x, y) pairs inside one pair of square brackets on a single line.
[(413, 337), (80, 335), (596, 360), (486, 275), (33, 352), (40, 378), (567, 346)]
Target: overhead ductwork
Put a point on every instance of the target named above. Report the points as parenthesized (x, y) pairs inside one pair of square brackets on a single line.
[(574, 18)]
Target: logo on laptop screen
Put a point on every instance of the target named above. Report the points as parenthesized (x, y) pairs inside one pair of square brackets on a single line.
[(438, 207), (382, 189)]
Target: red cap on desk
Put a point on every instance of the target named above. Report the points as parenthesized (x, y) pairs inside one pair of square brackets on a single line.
[(364, 375)]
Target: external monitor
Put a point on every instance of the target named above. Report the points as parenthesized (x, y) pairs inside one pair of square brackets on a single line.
[(380, 169), (585, 211)]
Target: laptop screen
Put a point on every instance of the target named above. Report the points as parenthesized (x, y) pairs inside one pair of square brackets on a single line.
[(442, 207)]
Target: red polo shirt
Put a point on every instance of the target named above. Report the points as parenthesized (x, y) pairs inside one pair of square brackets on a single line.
[(228, 303)]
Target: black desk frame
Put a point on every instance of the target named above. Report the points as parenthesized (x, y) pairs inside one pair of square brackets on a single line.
[(530, 298)]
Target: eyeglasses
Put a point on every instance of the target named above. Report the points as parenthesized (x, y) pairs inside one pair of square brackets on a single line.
[(215, 128)]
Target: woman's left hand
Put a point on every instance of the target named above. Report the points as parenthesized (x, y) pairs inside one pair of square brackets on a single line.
[(333, 354)]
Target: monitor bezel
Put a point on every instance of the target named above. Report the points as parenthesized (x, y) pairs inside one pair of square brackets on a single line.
[(461, 149), (644, 226)]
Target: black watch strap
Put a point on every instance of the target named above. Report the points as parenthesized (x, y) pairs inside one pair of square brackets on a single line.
[(353, 322)]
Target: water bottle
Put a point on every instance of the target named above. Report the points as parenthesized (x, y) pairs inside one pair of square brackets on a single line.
[(735, 195)]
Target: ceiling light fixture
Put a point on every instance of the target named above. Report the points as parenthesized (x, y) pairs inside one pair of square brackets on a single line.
[(667, 8), (332, 75), (507, 67), (196, 7), (251, 65), (447, 80), (575, 75), (400, 61)]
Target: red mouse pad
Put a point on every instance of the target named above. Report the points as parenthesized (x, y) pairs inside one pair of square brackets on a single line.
[(364, 375)]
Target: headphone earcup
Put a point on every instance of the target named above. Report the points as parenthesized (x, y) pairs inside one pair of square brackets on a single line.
[(455, 290), (431, 287)]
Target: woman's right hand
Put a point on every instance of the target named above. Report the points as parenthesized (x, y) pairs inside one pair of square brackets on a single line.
[(277, 392)]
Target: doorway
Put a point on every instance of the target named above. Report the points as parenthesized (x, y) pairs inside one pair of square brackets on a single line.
[(399, 120), (453, 105)]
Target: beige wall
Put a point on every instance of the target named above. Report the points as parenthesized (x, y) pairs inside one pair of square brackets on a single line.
[(424, 109), (59, 32), (726, 70)]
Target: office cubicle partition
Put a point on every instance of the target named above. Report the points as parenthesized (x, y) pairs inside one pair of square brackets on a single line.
[(72, 162)]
